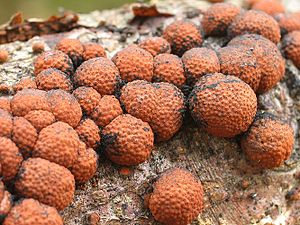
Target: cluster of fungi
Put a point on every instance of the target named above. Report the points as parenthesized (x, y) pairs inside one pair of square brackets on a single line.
[(81, 102)]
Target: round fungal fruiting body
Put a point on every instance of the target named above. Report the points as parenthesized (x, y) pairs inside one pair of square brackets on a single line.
[(53, 79), (271, 7), (24, 83), (88, 98), (218, 17), (98, 73), (5, 104), (3, 56), (38, 47), (223, 105), (47, 182), (240, 61), (30, 211), (10, 158), (86, 164), (162, 105), (40, 119), (168, 68), (198, 62), (64, 107), (6, 123), (107, 109), (6, 200), (155, 45), (73, 48), (177, 198), (182, 36), (128, 140), (53, 59), (268, 142), (134, 63), (89, 133), (268, 56), (93, 50), (288, 22), (255, 22), (57, 143), (291, 47)]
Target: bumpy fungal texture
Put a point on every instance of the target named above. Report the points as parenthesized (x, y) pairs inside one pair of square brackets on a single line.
[(6, 200), (86, 164), (162, 105), (57, 143), (291, 47), (40, 119), (53, 79), (182, 36), (240, 61), (218, 17), (93, 50), (255, 22), (53, 59), (24, 135), (155, 45), (268, 56), (25, 83), (134, 63), (89, 133), (288, 22), (128, 140), (271, 7), (198, 62), (5, 104), (10, 158), (168, 68), (64, 107), (47, 182), (88, 98), (223, 105), (268, 142), (73, 48), (30, 211), (98, 73), (27, 100), (107, 109), (6, 123), (177, 198)]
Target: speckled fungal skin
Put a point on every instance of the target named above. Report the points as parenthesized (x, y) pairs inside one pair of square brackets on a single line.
[(288, 22), (224, 106), (5, 104), (291, 47), (177, 198), (40, 119), (268, 142), (93, 50), (6, 123), (89, 133), (25, 83), (88, 98), (155, 45)]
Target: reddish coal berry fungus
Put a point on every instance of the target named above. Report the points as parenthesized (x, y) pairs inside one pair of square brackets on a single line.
[(134, 63), (255, 22), (128, 140), (291, 47), (85, 165), (5, 104), (40, 119), (5, 200), (198, 62), (89, 133), (64, 107), (24, 83), (6, 123), (30, 211), (73, 48), (240, 61), (3, 56), (155, 45), (271, 7), (162, 105), (107, 109), (53, 79), (53, 59), (57, 143), (47, 182), (222, 105), (182, 36), (168, 68), (268, 56), (88, 98), (177, 198), (218, 17), (268, 142), (10, 159), (288, 22), (93, 50), (98, 73)]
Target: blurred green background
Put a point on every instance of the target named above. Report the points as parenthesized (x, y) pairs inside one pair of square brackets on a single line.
[(46, 8)]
